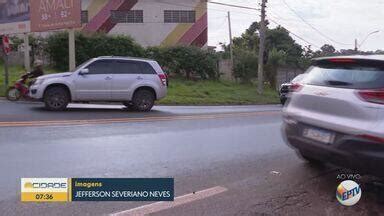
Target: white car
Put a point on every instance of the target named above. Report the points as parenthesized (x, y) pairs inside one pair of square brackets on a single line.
[(137, 83), (336, 115)]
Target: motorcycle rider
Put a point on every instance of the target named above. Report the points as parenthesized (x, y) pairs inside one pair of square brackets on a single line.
[(37, 70), (20, 89)]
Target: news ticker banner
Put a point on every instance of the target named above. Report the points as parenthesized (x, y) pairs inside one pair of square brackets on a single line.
[(96, 189)]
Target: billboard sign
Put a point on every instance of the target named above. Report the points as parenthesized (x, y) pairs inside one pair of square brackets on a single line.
[(14, 16), (55, 14)]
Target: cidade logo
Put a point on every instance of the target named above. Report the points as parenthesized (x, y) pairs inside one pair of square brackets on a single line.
[(348, 193), (44, 184), (45, 189), (28, 185)]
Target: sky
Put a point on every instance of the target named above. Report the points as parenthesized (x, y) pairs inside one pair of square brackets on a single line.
[(340, 21)]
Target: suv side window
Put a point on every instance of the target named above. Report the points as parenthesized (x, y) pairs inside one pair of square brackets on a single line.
[(100, 67), (126, 67), (147, 68)]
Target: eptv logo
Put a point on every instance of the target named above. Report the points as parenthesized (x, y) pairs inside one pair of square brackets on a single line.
[(348, 193)]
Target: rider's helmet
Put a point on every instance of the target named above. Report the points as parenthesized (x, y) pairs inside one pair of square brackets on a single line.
[(38, 63)]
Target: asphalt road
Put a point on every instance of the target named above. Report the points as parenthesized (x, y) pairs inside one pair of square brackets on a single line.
[(237, 152)]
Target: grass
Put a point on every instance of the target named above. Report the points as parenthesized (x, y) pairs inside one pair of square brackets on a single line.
[(183, 92), (14, 74)]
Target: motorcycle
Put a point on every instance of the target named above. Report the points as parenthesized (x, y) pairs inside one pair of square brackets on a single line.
[(19, 89)]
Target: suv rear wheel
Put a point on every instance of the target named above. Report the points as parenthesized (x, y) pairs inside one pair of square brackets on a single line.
[(143, 100), (56, 98), (129, 105)]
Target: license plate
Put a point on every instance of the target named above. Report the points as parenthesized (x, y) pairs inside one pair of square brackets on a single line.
[(319, 135)]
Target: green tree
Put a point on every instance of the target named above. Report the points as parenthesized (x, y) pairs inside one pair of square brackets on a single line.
[(276, 58), (327, 50), (247, 45), (306, 59), (186, 61), (248, 40), (279, 39)]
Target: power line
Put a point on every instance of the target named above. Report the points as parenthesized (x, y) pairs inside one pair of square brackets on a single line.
[(243, 13), (232, 5), (216, 18), (301, 38), (204, 7), (281, 18), (311, 26), (221, 29), (296, 35)]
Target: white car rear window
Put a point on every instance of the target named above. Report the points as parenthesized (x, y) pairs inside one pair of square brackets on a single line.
[(346, 76)]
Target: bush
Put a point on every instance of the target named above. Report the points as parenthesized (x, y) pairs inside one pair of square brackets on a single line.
[(186, 61), (89, 46), (245, 65)]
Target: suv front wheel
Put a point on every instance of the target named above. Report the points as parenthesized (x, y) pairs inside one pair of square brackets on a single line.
[(143, 100), (56, 98)]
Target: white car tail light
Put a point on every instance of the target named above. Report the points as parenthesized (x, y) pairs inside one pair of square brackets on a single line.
[(372, 96), (163, 79), (296, 87)]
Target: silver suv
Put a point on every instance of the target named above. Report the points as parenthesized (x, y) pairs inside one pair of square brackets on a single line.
[(137, 83), (337, 114)]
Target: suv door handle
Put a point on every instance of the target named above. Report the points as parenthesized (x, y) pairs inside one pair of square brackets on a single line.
[(139, 78), (108, 78)]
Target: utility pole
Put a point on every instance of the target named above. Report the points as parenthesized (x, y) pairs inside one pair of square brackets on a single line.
[(230, 39), (6, 50), (6, 71), (262, 30), (27, 60), (72, 49)]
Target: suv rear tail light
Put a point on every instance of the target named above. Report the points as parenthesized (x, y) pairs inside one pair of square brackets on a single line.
[(372, 96), (295, 87), (163, 79), (373, 138)]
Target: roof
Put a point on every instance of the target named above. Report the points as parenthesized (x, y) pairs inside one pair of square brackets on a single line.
[(361, 57), (125, 58)]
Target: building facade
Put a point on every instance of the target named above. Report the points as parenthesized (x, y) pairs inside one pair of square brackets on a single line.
[(149, 22)]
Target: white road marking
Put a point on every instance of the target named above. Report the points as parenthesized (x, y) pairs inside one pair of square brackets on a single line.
[(160, 206)]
